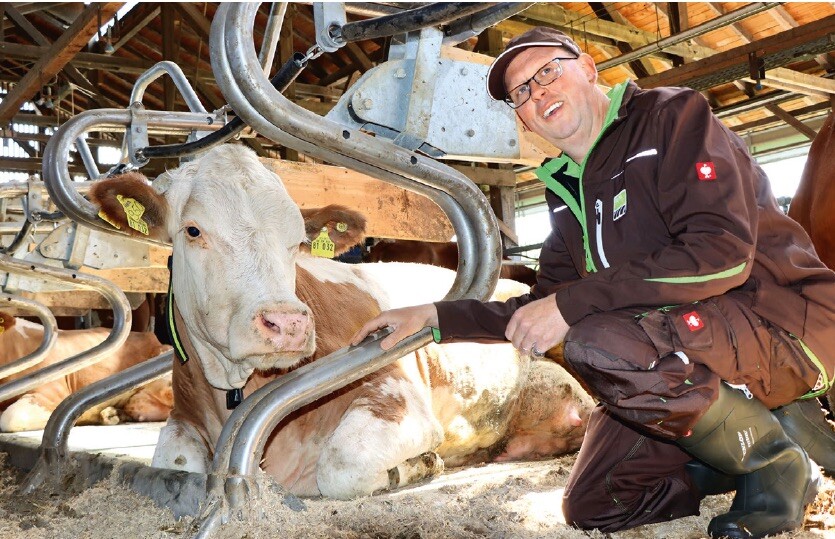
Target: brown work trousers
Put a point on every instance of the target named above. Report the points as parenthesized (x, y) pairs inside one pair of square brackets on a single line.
[(655, 375)]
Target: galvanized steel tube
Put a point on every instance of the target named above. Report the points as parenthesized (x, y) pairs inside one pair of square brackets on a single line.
[(121, 323), (50, 334)]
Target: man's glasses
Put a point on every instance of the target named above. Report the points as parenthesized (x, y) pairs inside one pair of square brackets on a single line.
[(544, 76)]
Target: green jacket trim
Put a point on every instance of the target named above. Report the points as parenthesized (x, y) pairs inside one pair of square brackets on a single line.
[(736, 270), (546, 171), (824, 383)]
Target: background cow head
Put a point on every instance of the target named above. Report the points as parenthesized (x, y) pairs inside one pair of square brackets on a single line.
[(236, 234)]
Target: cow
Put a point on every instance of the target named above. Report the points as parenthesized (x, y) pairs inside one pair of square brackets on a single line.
[(813, 203), (30, 411), (443, 254), (249, 306)]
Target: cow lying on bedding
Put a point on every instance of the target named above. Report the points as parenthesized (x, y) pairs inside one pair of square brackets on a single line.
[(30, 411), (250, 306)]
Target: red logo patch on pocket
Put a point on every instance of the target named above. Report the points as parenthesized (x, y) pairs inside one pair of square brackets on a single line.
[(693, 321), (706, 171)]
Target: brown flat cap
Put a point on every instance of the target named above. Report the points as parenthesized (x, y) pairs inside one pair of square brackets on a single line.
[(540, 36)]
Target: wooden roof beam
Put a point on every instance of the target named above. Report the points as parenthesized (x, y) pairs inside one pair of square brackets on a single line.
[(58, 55), (135, 20), (803, 80), (555, 15)]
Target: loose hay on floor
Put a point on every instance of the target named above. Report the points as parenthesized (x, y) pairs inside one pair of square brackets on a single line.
[(495, 501)]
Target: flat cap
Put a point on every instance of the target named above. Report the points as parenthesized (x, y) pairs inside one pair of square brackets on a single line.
[(539, 36)]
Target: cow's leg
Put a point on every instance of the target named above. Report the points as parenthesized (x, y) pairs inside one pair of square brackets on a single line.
[(180, 447), (376, 435), (24, 414)]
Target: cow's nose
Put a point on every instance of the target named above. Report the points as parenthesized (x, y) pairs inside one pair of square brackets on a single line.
[(287, 328)]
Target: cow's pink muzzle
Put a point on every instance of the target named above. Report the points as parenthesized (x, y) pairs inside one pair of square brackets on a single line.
[(287, 328)]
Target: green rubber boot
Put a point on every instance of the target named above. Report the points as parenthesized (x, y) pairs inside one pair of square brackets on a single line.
[(739, 436)]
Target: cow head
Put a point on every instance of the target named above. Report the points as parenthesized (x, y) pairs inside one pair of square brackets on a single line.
[(236, 234)]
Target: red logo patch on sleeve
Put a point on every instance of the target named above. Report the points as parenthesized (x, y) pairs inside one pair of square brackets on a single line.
[(706, 171), (693, 321)]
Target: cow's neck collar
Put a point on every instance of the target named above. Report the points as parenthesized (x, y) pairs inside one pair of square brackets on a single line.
[(182, 344)]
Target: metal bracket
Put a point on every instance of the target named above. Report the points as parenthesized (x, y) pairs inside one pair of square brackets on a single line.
[(34, 201), (328, 15), (137, 134)]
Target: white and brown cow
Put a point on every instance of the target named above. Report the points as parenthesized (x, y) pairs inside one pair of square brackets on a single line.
[(30, 411), (252, 306)]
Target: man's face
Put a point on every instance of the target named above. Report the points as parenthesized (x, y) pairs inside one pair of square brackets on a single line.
[(561, 111)]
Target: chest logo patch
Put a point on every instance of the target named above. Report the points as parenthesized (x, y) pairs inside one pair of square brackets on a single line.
[(619, 205), (706, 171), (693, 321)]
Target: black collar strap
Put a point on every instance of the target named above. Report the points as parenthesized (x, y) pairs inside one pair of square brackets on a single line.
[(233, 396)]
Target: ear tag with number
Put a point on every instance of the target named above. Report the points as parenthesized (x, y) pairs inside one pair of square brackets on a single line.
[(322, 245), (2, 328), (108, 220), (134, 211), (341, 227)]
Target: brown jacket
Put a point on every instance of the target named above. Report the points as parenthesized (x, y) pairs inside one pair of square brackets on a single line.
[(671, 209)]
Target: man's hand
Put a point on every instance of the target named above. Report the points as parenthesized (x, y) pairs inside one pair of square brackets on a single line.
[(404, 322), (537, 327)]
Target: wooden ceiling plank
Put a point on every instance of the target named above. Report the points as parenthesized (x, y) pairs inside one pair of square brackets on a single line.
[(787, 86), (555, 15), (791, 120), (745, 35), (58, 55), (739, 55), (25, 26), (128, 28), (804, 80), (783, 18)]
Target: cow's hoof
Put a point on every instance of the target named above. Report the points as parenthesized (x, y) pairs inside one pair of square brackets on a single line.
[(416, 469)]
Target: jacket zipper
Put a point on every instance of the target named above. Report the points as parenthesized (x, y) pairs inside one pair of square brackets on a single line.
[(598, 219)]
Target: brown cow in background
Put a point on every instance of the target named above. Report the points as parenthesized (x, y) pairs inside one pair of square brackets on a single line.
[(443, 254), (19, 337), (813, 206)]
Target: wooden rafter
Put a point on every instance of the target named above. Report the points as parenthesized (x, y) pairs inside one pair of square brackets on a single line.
[(58, 55)]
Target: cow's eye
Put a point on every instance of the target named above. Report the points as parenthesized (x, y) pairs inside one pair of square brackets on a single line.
[(193, 231)]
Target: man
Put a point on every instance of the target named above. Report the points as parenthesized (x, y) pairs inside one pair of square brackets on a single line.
[(687, 301)]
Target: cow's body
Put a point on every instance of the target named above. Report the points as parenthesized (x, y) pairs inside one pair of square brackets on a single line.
[(812, 205), (268, 315), (31, 410), (443, 254)]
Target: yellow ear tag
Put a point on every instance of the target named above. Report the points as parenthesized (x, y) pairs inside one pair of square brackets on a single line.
[(107, 219), (341, 227), (134, 211), (2, 329), (322, 245)]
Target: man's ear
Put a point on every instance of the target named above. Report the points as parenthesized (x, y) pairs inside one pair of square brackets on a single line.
[(7, 321), (589, 68), (346, 227), (129, 203)]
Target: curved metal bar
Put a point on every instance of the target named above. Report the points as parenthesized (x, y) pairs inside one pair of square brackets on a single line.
[(54, 451), (50, 334), (282, 79), (62, 190), (87, 158), (334, 143), (407, 21), (121, 323), (244, 434), (173, 70)]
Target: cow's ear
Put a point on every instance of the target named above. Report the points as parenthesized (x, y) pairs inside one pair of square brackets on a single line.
[(129, 202), (346, 227), (7, 321)]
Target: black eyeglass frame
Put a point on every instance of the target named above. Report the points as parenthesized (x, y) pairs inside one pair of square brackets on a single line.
[(558, 60)]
